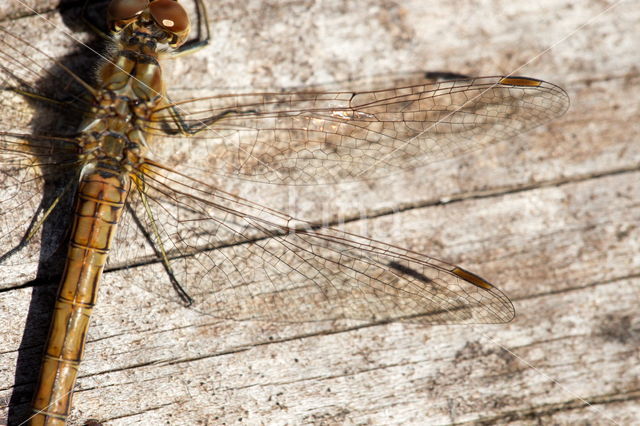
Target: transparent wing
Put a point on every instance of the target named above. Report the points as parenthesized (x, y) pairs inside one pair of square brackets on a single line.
[(238, 259), (303, 138), (36, 173), (38, 150)]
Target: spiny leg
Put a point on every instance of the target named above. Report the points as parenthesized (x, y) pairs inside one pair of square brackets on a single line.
[(191, 129), (192, 46), (36, 224), (204, 34), (157, 245)]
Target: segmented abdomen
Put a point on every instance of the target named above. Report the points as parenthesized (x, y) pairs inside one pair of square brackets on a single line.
[(99, 206)]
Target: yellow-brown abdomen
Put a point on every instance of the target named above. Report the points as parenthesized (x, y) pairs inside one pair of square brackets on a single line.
[(101, 197)]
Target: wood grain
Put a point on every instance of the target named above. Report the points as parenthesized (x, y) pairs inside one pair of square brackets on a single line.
[(550, 217)]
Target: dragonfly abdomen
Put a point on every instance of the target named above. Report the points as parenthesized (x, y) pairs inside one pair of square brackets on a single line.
[(99, 207)]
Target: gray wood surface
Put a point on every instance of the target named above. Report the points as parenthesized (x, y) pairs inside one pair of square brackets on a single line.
[(550, 217)]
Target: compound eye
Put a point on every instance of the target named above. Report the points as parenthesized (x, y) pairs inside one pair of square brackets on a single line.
[(125, 10), (170, 15)]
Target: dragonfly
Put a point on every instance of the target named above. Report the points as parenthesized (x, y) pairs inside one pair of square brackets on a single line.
[(225, 255)]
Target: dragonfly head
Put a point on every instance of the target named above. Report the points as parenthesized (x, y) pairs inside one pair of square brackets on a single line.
[(167, 19)]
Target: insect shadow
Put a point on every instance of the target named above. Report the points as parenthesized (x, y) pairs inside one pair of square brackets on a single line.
[(55, 120)]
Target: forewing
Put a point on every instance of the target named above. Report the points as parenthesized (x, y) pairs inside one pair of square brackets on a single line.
[(301, 138)]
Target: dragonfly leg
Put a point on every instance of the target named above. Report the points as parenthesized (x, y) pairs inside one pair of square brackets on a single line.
[(192, 129), (156, 243), (35, 225), (204, 34)]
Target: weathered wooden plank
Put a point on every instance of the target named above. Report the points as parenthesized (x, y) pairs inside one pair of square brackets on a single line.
[(566, 338), (550, 217)]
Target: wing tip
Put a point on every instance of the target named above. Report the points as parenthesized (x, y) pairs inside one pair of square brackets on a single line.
[(506, 312)]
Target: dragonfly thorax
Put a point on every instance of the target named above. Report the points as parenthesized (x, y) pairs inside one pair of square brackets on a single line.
[(119, 150), (114, 131)]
